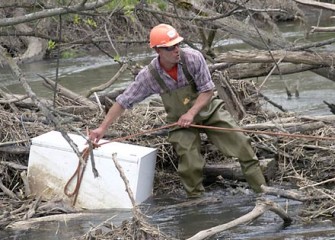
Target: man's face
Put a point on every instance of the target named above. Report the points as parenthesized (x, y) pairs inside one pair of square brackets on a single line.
[(169, 55)]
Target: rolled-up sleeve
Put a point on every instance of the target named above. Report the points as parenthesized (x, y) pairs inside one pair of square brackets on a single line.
[(137, 91)]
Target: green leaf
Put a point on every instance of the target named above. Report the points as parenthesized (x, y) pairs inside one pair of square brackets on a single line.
[(51, 45)]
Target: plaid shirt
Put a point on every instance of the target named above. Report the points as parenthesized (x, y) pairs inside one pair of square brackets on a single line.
[(145, 84)]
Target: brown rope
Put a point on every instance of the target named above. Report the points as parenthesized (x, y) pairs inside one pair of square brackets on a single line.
[(78, 175), (141, 133), (79, 172), (280, 134)]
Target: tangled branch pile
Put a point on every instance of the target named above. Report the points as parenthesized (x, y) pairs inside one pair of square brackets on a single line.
[(302, 163)]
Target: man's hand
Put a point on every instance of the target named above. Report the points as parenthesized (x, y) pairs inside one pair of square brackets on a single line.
[(186, 120), (96, 134), (113, 113), (202, 100)]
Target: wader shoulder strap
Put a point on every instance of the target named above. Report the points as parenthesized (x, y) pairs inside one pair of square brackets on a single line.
[(161, 82), (158, 78), (187, 74)]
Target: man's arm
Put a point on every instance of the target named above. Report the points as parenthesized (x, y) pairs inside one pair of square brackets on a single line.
[(202, 100), (113, 113)]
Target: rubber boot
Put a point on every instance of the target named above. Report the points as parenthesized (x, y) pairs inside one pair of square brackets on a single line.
[(254, 176)]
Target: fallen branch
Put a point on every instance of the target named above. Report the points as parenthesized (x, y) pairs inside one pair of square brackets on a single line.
[(7, 191), (261, 207), (317, 4), (322, 29), (13, 142), (109, 83), (70, 94), (262, 56), (13, 165), (24, 178)]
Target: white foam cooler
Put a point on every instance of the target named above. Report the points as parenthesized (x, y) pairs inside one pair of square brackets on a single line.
[(52, 162)]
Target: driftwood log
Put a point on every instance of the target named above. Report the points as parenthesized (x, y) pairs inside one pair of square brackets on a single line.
[(259, 56), (66, 92), (261, 207), (232, 170)]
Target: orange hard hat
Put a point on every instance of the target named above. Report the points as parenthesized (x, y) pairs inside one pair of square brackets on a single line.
[(164, 35)]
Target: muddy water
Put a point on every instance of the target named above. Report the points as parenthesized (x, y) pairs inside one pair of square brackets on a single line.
[(184, 222)]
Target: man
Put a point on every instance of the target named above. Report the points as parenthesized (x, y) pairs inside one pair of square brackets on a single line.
[(182, 78)]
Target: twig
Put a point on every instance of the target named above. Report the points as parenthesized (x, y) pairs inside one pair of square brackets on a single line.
[(25, 183), (13, 165), (7, 191), (137, 212), (13, 142), (319, 183), (270, 73)]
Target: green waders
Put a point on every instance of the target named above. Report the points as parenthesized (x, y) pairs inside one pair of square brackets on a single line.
[(187, 142)]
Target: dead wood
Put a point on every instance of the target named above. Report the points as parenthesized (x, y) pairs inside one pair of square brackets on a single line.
[(319, 58), (261, 207), (322, 29), (229, 24), (30, 223), (15, 149), (82, 6), (7, 100), (227, 94), (323, 5), (76, 110), (290, 194), (13, 99), (7, 191), (246, 31), (321, 62), (108, 83), (250, 70), (32, 209), (24, 178), (22, 101), (232, 170), (13, 165), (292, 127), (68, 93)]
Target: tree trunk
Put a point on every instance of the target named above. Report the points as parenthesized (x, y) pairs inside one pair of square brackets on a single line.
[(250, 70), (316, 60), (298, 57)]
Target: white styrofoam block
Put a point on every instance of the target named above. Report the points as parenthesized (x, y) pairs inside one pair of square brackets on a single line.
[(52, 162)]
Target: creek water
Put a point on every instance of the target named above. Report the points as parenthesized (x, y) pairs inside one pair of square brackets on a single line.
[(184, 222), (82, 73)]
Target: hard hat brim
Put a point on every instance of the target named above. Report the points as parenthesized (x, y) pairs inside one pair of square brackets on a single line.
[(171, 43)]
